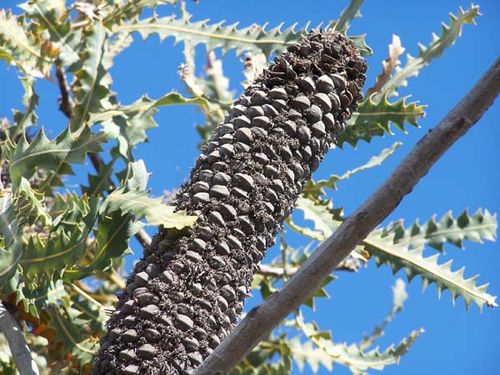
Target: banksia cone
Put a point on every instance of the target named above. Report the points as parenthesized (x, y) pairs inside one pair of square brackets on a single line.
[(188, 290)]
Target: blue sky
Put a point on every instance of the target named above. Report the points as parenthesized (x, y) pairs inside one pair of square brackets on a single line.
[(455, 341)]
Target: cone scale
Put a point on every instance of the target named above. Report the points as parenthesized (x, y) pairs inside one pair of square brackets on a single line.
[(187, 292)]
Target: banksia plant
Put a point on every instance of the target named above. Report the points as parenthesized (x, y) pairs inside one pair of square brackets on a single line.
[(71, 203), (188, 290)]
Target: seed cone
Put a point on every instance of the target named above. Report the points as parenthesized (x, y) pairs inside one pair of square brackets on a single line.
[(188, 290)]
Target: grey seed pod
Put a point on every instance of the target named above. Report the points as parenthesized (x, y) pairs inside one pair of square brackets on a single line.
[(222, 248), (193, 256), (244, 135), (323, 101), (334, 98), (290, 127), (219, 191), (240, 193), (184, 309), (130, 321), (200, 333), (259, 97), (183, 322), (141, 278), (270, 171), (318, 129), (222, 303), (239, 109), (127, 355), (201, 187), (234, 243), (226, 129), (339, 82), (227, 150), (269, 110), (278, 93), (130, 335), (216, 262), (139, 291), (259, 133), (279, 104), (205, 175), (246, 224), (255, 111), (228, 293), (153, 270), (196, 288), (303, 134), (241, 147), (131, 370), (199, 244), (147, 299), (306, 84), (306, 152), (213, 341), (226, 138), (313, 113), (221, 178), (195, 358), (236, 239), (261, 121), (151, 334), (325, 84), (228, 211), (168, 277), (301, 102), (146, 351), (201, 198), (191, 344), (243, 181), (149, 311)]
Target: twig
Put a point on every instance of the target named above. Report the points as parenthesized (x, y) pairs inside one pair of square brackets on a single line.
[(259, 322), (65, 102), (21, 354), (348, 265)]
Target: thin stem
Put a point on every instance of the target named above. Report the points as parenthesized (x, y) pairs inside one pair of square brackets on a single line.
[(260, 321)]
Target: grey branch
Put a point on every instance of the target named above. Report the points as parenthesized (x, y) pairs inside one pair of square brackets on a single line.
[(20, 351), (260, 321)]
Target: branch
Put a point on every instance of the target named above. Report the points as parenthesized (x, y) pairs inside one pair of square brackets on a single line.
[(21, 354), (260, 321)]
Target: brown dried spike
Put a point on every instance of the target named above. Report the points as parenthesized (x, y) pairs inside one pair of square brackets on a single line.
[(270, 168)]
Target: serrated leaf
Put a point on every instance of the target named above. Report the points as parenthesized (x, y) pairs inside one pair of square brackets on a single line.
[(92, 86), (41, 297), (139, 205), (315, 187), (449, 34), (374, 119), (348, 14), (119, 11), (253, 38), (399, 256), (52, 18), (55, 156), (129, 124), (429, 269), (480, 226)]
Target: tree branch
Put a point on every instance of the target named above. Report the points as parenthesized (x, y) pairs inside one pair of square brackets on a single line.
[(20, 351), (260, 321)]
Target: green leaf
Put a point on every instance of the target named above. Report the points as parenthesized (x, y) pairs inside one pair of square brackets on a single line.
[(92, 85), (348, 14), (30, 101), (253, 38), (428, 268), (52, 18), (139, 205), (41, 296), (53, 156), (123, 10), (19, 48), (374, 119), (387, 249), (32, 204), (129, 124), (449, 34), (480, 226), (316, 187)]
